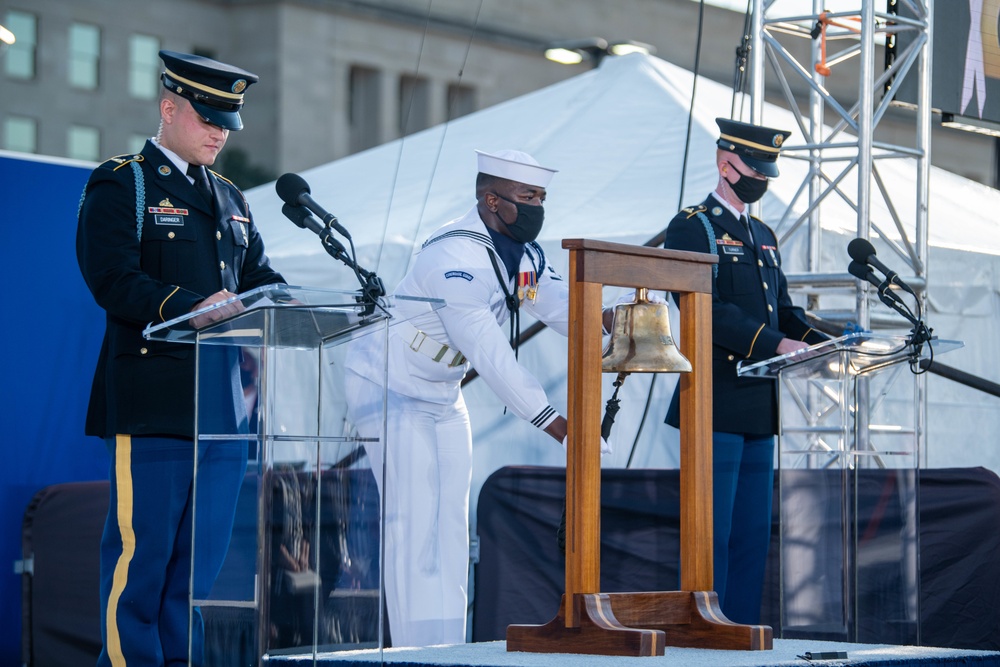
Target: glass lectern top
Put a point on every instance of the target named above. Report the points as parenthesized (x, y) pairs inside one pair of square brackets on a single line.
[(291, 317), (859, 352)]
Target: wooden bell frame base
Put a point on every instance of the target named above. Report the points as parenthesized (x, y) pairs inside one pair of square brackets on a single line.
[(641, 623)]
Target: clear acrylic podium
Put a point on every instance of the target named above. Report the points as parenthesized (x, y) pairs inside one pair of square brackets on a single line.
[(302, 571), (848, 455)]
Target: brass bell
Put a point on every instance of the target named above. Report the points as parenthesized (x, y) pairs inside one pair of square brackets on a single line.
[(641, 341)]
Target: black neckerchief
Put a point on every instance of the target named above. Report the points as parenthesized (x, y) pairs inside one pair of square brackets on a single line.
[(510, 251), (510, 300)]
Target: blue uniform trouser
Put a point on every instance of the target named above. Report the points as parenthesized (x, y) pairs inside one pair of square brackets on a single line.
[(742, 485), (146, 549)]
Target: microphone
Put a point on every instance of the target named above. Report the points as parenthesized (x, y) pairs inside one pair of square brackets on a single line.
[(301, 217), (862, 272), (885, 295), (294, 190), (862, 251), (857, 269)]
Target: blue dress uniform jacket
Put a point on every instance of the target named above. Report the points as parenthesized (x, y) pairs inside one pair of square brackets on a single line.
[(751, 314), (151, 265)]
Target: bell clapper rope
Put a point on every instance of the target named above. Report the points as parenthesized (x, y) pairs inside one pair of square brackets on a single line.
[(613, 406)]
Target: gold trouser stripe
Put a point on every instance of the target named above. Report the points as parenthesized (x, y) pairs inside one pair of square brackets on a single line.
[(162, 318), (123, 481), (754, 341)]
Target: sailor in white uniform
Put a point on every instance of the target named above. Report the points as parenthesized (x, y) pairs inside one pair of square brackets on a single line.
[(487, 268)]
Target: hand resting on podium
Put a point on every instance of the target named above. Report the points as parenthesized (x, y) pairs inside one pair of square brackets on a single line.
[(216, 314), (788, 345)]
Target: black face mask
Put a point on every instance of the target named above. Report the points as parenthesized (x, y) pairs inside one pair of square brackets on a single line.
[(749, 189), (528, 224)]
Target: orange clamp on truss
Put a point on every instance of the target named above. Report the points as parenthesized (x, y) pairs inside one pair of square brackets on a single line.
[(824, 20)]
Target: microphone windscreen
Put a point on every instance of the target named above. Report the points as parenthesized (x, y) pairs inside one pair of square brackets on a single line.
[(289, 187), (858, 269), (860, 250), (295, 213)]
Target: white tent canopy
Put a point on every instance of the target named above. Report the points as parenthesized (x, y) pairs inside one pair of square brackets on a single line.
[(617, 136)]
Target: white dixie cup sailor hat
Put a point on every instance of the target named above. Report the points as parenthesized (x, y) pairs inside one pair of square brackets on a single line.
[(515, 166)]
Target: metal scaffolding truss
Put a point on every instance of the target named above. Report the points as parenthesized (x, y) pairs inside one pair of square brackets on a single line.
[(875, 424), (850, 162), (840, 136)]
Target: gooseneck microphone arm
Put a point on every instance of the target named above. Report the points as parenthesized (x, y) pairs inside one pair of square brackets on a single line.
[(302, 218), (299, 206), (885, 295), (862, 253)]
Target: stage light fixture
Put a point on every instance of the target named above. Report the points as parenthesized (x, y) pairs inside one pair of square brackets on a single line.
[(625, 48), (6, 36), (593, 50), (564, 56)]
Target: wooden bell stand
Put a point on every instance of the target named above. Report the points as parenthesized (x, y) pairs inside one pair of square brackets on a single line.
[(643, 623)]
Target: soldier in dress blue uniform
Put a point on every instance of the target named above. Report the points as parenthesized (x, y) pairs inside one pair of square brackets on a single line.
[(159, 236), (752, 318)]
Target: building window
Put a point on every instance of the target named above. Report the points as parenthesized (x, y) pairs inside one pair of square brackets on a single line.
[(19, 61), (84, 55), (461, 101), (365, 108), (20, 134), (143, 66), (414, 105), (84, 143)]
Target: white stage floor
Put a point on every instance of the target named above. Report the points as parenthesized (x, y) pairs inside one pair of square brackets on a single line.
[(786, 652)]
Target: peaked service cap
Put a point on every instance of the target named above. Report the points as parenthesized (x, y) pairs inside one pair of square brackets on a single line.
[(214, 89), (757, 146)]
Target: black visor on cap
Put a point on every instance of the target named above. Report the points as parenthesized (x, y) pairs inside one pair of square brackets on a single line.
[(227, 120), (767, 168)]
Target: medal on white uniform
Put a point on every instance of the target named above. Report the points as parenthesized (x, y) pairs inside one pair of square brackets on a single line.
[(527, 283)]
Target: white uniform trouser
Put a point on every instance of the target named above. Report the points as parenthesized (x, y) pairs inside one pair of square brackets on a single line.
[(428, 473)]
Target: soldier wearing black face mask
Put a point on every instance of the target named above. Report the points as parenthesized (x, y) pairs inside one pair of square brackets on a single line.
[(752, 318)]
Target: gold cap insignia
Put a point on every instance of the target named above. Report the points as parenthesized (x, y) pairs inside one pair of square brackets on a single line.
[(239, 85), (778, 140)]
